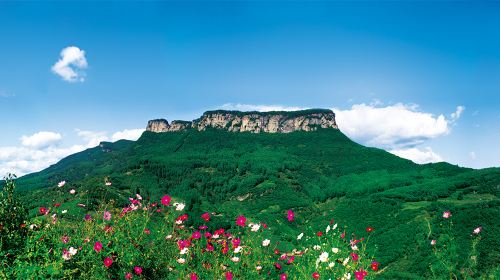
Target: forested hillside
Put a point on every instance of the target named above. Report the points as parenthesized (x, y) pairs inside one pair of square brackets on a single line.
[(320, 175)]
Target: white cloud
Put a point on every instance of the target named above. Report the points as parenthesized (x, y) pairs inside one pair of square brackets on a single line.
[(391, 127), (458, 112), (260, 108), (472, 155), (128, 134), (42, 149), (425, 155), (41, 139), (71, 64)]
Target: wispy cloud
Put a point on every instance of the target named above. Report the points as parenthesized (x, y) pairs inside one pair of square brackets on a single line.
[(6, 94), (260, 108), (71, 64)]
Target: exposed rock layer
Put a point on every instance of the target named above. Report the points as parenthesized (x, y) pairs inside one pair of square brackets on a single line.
[(272, 122)]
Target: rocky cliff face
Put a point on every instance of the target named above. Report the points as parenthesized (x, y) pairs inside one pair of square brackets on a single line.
[(271, 122)]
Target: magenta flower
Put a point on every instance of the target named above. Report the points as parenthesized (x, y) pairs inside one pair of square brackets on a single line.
[(108, 262), (128, 275), (354, 257), (165, 200), (229, 275), (206, 216), (97, 246), (290, 215), (138, 270), (196, 235), (241, 220), (360, 274), (87, 217)]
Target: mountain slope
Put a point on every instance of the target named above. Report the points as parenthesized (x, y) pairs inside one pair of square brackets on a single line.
[(318, 173)]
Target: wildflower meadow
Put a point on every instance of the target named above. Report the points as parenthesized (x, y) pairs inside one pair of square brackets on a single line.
[(158, 240)]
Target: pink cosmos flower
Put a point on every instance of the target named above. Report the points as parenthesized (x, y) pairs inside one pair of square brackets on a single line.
[(65, 239), (128, 275), (165, 200), (97, 246), (108, 262), (196, 235), (205, 216), (147, 231), (433, 242), (229, 275), (193, 276), (446, 214), (138, 270), (107, 215), (290, 215), (277, 265), (241, 220), (290, 260), (477, 230), (283, 276)]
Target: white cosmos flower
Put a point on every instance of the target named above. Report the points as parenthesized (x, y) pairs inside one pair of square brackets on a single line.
[(168, 236), (235, 259), (323, 257), (64, 211), (316, 247), (266, 242), (334, 227), (61, 184), (184, 251), (179, 206), (346, 276), (258, 267), (72, 251), (72, 191), (335, 250), (181, 260), (327, 229), (346, 260), (331, 265), (300, 236), (255, 227), (237, 249)]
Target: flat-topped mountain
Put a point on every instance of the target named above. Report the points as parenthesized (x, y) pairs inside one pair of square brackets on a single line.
[(256, 122)]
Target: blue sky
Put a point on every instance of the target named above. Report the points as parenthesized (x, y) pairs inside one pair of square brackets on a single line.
[(394, 72)]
